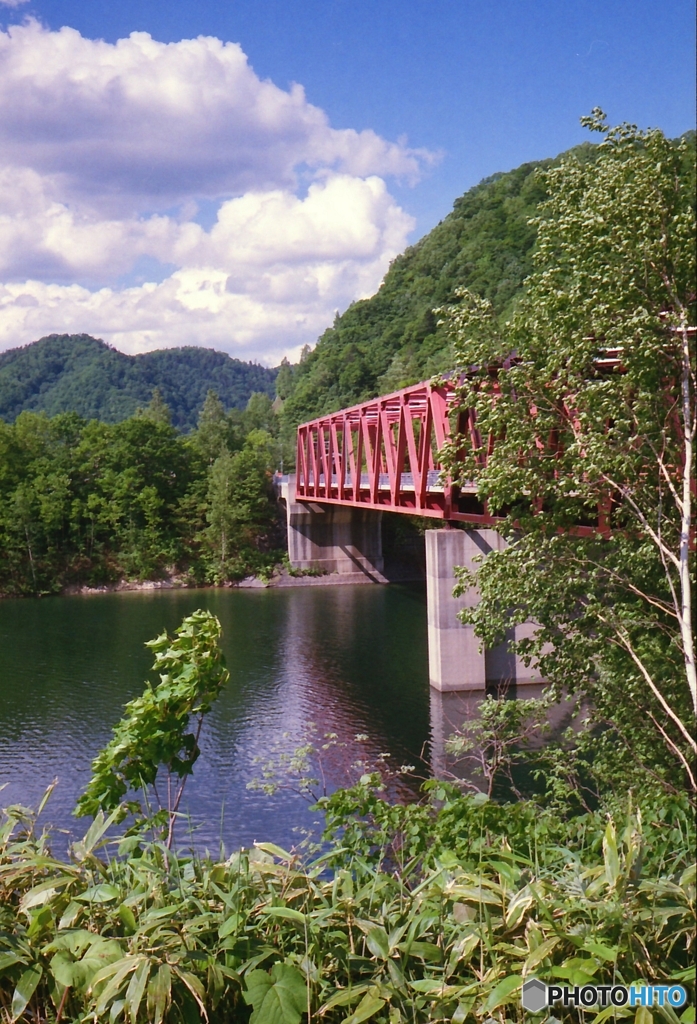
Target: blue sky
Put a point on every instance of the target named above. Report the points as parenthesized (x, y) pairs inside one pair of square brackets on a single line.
[(445, 92)]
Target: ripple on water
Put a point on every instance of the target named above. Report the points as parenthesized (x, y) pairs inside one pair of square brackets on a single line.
[(352, 660)]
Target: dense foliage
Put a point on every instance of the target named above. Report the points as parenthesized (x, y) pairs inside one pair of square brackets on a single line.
[(413, 914), (86, 502), (393, 339), (590, 394), (77, 373)]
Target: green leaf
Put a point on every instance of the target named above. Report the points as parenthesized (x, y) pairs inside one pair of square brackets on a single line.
[(40, 919), (116, 1010), (25, 989), (228, 926), (428, 986), (277, 998), (9, 960), (369, 1005), (94, 833), (286, 913), (503, 992), (274, 850), (63, 969), (608, 953), (195, 987), (611, 1011), (216, 984), (70, 914), (612, 861), (103, 893), (475, 894), (518, 905), (423, 950), (136, 988), (344, 997), (39, 895), (75, 941), (127, 919), (538, 954), (115, 975), (688, 877), (377, 942)]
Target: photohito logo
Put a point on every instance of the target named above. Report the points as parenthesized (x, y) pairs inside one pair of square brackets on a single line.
[(537, 996)]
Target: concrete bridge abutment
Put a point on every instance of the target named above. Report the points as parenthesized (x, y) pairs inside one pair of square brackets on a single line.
[(333, 538)]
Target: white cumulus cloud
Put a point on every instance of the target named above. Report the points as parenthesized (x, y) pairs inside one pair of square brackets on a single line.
[(106, 150)]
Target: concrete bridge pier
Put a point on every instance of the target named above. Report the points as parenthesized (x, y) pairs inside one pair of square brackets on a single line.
[(456, 660), (333, 538)]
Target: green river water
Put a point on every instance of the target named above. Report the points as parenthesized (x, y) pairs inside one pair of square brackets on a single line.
[(352, 659)]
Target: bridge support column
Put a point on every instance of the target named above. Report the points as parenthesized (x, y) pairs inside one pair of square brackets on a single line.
[(456, 661), (333, 538)]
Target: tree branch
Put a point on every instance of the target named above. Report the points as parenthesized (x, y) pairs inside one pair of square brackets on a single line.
[(624, 641)]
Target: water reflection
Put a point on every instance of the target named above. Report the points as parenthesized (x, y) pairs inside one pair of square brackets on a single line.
[(352, 659)]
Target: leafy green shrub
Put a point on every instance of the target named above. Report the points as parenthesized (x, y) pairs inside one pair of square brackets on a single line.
[(153, 731), (444, 931)]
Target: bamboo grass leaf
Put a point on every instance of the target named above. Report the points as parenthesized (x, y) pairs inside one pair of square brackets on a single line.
[(286, 913), (230, 925), (604, 952), (539, 954), (344, 997), (610, 854), (9, 960), (70, 915), (275, 851), (369, 1005), (503, 993), (95, 832), (136, 988), (102, 893), (193, 984), (25, 989), (378, 942), (115, 975), (127, 918)]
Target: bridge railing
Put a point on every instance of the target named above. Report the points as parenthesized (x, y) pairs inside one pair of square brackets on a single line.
[(383, 454)]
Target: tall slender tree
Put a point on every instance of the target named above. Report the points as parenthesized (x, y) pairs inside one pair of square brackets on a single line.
[(589, 392)]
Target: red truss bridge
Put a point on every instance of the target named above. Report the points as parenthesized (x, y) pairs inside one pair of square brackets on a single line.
[(383, 455)]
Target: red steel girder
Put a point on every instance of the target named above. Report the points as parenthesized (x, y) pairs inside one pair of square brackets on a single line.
[(383, 454)]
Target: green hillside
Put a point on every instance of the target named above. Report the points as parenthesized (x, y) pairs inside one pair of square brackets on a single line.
[(392, 339), (77, 373)]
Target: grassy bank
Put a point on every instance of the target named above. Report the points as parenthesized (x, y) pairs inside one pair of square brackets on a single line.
[(418, 913)]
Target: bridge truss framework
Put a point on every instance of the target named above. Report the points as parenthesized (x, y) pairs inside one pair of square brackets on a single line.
[(383, 455)]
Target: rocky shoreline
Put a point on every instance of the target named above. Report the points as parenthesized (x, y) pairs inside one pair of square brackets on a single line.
[(282, 579)]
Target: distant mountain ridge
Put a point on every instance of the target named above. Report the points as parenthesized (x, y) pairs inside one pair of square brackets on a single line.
[(79, 373)]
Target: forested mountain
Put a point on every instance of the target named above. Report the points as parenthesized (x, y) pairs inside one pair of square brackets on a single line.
[(392, 339), (78, 373)]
